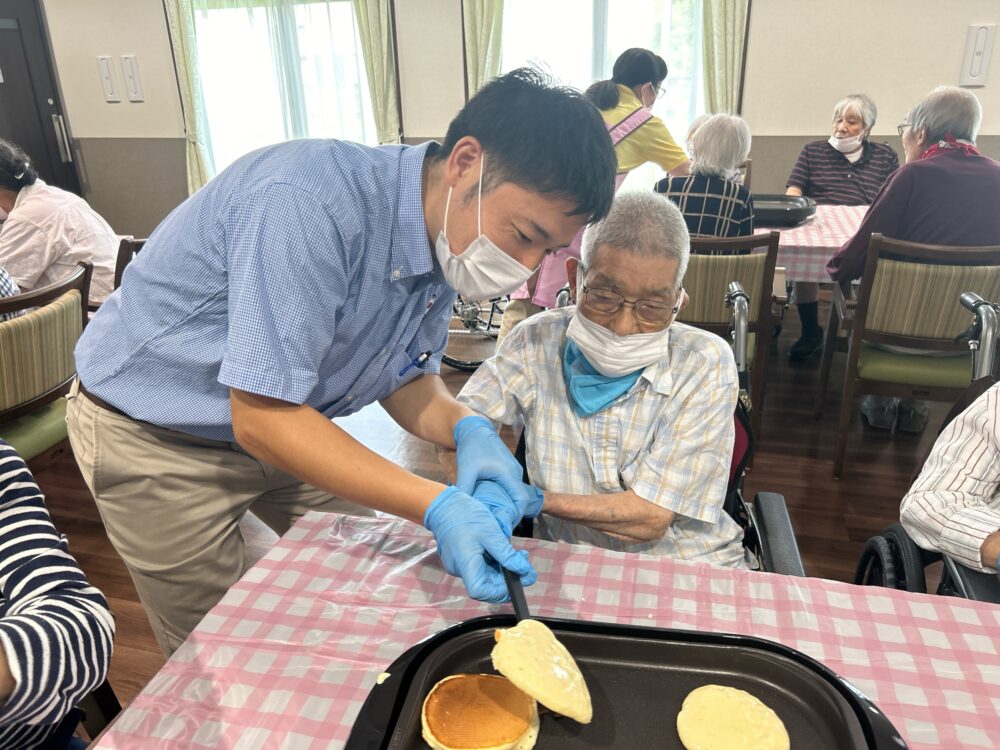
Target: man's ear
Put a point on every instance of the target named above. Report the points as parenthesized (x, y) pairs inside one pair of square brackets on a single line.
[(572, 265), (463, 157)]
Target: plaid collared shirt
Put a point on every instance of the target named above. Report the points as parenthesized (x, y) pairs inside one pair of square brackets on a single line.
[(8, 288), (669, 438)]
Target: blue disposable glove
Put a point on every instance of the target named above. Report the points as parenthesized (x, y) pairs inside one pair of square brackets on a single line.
[(504, 510), (473, 546), (482, 456)]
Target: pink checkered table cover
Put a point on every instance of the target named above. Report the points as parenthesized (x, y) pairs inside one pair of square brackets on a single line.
[(805, 250), (286, 659)]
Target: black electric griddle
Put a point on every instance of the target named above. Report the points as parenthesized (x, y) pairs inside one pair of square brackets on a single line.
[(638, 678), (781, 210)]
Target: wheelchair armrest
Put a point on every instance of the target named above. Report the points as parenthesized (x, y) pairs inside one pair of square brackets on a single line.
[(774, 526), (973, 584)]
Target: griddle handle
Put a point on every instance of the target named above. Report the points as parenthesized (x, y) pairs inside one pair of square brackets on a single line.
[(516, 595)]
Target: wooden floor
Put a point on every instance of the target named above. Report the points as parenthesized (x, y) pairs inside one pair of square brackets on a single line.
[(832, 518)]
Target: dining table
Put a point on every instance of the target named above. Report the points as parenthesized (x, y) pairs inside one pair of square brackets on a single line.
[(805, 250), (286, 659)]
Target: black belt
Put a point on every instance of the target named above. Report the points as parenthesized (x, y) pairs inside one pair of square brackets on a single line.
[(102, 403)]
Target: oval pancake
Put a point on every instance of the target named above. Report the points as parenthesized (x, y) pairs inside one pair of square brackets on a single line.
[(714, 717)]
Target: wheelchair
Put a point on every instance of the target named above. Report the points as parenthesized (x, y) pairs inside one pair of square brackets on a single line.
[(767, 528), (893, 559)]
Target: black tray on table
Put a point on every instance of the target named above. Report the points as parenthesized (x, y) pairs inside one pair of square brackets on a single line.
[(638, 678), (781, 210)]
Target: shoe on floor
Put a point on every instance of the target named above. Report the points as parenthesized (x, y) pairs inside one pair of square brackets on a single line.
[(806, 347), (913, 415), (879, 411)]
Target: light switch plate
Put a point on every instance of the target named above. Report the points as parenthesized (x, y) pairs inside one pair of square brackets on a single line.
[(106, 70), (978, 50), (133, 83)]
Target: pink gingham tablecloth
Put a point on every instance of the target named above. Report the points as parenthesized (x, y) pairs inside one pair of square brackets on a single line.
[(286, 659), (805, 250)]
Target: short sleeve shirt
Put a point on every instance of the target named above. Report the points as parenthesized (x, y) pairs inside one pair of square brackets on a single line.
[(303, 272), (829, 178)]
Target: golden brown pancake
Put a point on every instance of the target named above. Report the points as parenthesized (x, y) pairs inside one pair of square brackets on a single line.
[(479, 712)]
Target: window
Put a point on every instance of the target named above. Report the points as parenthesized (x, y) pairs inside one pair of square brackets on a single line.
[(577, 41), (273, 71)]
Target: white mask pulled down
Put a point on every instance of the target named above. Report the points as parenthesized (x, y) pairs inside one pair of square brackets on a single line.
[(482, 270), (612, 355), (846, 145)]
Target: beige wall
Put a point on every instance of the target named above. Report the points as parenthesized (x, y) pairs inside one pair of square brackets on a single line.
[(804, 55), (129, 155), (80, 31), (431, 73)]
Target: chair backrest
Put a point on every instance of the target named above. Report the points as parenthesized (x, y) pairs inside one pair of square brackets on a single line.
[(128, 248), (36, 349), (909, 292), (714, 264), (745, 169)]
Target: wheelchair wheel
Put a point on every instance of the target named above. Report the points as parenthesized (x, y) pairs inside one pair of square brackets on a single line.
[(910, 570), (472, 334), (877, 566)]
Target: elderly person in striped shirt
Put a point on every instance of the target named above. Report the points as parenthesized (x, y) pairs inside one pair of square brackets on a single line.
[(847, 169), (55, 628), (954, 506), (628, 416)]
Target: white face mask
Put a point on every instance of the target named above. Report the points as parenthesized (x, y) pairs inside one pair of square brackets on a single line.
[(846, 145), (483, 270), (613, 355)]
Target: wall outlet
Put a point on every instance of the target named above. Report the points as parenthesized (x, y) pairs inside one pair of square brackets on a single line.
[(106, 70), (133, 84)]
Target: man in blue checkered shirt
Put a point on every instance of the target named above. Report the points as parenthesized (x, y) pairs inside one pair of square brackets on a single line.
[(308, 280), (8, 288)]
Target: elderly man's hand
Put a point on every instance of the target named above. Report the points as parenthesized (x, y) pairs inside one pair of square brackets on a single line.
[(481, 456)]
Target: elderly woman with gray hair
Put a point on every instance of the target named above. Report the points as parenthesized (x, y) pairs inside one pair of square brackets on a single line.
[(618, 365), (712, 200), (847, 169), (947, 193)]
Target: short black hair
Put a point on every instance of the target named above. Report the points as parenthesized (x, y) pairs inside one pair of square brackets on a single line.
[(545, 138), (15, 167)]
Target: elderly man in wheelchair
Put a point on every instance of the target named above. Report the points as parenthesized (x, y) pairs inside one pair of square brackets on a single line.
[(628, 416), (954, 505)]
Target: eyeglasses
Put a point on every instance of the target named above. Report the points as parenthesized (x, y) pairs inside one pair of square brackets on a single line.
[(607, 302), (901, 127)]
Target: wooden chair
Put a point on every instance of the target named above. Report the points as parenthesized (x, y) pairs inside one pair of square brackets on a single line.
[(716, 262), (128, 248), (909, 297), (36, 361), (745, 169)]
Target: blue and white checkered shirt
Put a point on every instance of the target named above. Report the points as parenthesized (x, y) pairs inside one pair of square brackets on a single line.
[(669, 439), (303, 272), (8, 288)]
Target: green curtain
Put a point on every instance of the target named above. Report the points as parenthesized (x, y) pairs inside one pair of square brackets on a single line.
[(180, 22), (724, 27), (374, 18), (483, 34)]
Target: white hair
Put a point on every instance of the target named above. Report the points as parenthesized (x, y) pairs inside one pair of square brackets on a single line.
[(721, 144), (862, 105), (692, 129), (647, 224), (947, 110)]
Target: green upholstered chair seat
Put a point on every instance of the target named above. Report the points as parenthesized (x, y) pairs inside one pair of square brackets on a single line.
[(35, 433), (914, 369)]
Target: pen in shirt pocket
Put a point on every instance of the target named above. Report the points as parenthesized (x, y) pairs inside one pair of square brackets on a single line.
[(415, 362)]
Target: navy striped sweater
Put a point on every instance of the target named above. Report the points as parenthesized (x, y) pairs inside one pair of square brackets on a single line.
[(55, 628)]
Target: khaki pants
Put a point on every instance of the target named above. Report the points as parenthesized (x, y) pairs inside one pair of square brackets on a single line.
[(172, 503)]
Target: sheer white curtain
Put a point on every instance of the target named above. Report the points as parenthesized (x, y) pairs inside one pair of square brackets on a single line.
[(274, 70)]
